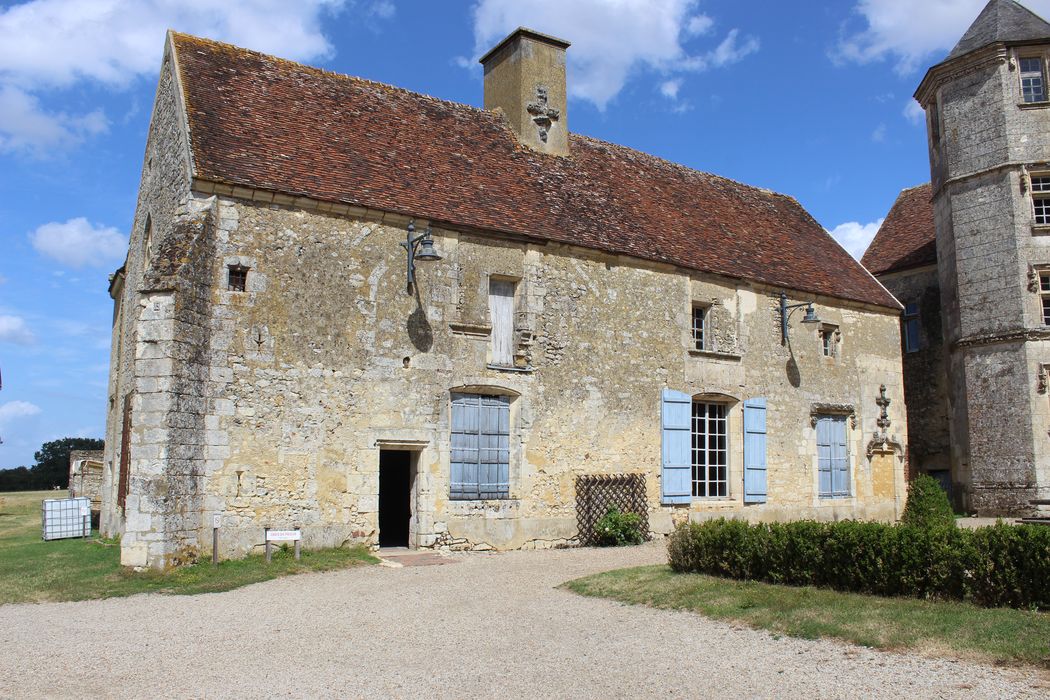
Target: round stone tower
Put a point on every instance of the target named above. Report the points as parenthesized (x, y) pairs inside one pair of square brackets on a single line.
[(988, 120)]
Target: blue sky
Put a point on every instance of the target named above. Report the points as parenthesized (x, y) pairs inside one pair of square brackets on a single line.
[(809, 99)]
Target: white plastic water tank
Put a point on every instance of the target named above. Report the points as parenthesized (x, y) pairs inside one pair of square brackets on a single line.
[(66, 517)]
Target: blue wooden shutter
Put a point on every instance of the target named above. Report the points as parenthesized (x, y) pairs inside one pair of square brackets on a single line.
[(755, 451), (824, 460), (465, 445), (676, 416), (494, 466), (839, 458)]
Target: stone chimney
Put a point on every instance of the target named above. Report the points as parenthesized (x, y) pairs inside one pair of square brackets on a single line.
[(525, 77)]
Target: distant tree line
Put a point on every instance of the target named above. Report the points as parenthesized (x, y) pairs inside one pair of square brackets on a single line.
[(51, 469)]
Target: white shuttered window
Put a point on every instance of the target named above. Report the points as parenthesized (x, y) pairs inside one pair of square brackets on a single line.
[(501, 310)]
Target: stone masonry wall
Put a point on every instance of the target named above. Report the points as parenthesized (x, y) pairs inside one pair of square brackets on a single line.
[(925, 375), (326, 359), (162, 201)]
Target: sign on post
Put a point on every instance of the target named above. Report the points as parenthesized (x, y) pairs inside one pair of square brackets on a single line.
[(282, 536)]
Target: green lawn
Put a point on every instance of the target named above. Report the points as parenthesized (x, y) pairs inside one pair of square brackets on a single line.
[(32, 570), (956, 630)]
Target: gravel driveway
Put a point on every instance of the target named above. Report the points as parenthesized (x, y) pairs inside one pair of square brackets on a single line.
[(486, 626)]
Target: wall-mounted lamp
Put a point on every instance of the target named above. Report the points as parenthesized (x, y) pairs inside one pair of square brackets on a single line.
[(420, 248), (785, 312)]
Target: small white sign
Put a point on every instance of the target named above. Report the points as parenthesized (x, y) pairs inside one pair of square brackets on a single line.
[(284, 535), (216, 521), (84, 511)]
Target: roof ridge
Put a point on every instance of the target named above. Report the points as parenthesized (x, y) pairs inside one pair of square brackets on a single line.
[(324, 71)]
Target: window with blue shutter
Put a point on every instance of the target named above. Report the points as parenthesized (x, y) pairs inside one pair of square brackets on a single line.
[(755, 489), (832, 457), (676, 413), (480, 459)]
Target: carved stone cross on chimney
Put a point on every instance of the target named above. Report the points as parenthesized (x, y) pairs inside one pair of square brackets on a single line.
[(542, 115)]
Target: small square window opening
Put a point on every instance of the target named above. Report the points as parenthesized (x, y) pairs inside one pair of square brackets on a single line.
[(1033, 82), (699, 336), (828, 341), (238, 278)]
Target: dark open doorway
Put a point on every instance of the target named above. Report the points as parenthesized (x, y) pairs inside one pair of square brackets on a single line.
[(395, 497)]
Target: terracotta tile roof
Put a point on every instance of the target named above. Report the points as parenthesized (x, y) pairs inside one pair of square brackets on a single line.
[(907, 237), (268, 123)]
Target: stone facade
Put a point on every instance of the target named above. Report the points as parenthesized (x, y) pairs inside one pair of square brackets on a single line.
[(985, 143), (272, 406), (85, 477)]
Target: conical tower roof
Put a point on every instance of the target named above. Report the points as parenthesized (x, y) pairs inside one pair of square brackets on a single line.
[(1001, 21)]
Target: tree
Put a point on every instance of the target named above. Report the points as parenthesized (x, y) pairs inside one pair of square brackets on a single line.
[(52, 461)]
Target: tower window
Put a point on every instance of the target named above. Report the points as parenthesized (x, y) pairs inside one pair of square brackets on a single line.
[(1041, 199), (911, 327), (1044, 296), (238, 278), (1033, 82)]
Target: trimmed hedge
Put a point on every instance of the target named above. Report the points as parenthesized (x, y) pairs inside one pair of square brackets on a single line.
[(927, 504), (998, 566)]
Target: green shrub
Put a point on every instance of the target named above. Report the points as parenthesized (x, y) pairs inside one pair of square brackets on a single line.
[(1004, 565), (927, 504), (616, 529)]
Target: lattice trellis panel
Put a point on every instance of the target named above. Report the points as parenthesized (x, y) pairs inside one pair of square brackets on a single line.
[(596, 493)]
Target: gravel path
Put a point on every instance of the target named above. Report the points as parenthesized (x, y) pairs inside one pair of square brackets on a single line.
[(486, 626)]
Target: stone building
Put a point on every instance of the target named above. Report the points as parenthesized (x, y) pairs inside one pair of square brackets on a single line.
[(280, 362), (987, 257), (85, 478)]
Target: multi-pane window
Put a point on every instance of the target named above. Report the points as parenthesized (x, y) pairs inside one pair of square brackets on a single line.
[(237, 278), (480, 447), (699, 337), (1033, 82), (710, 450), (832, 457), (1041, 198), (911, 327), (501, 311), (1044, 296)]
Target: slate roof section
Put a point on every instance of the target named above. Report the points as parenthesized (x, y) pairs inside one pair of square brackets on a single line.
[(271, 124), (907, 238), (1001, 21)]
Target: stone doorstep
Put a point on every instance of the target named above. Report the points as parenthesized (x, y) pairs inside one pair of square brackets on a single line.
[(398, 556)]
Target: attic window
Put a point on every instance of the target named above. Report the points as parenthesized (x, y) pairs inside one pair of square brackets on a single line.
[(238, 278), (699, 327)]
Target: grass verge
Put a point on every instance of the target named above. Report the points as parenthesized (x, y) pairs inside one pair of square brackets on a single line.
[(32, 570), (956, 630)]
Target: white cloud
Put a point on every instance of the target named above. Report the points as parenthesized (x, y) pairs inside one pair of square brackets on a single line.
[(911, 33), (78, 243), (879, 135), (13, 329), (855, 237), (914, 112), (58, 44), (13, 410), (611, 39), (670, 88)]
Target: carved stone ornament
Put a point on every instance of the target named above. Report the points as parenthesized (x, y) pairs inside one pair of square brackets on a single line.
[(881, 440), (543, 115), (1043, 380), (834, 409), (1033, 280)]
